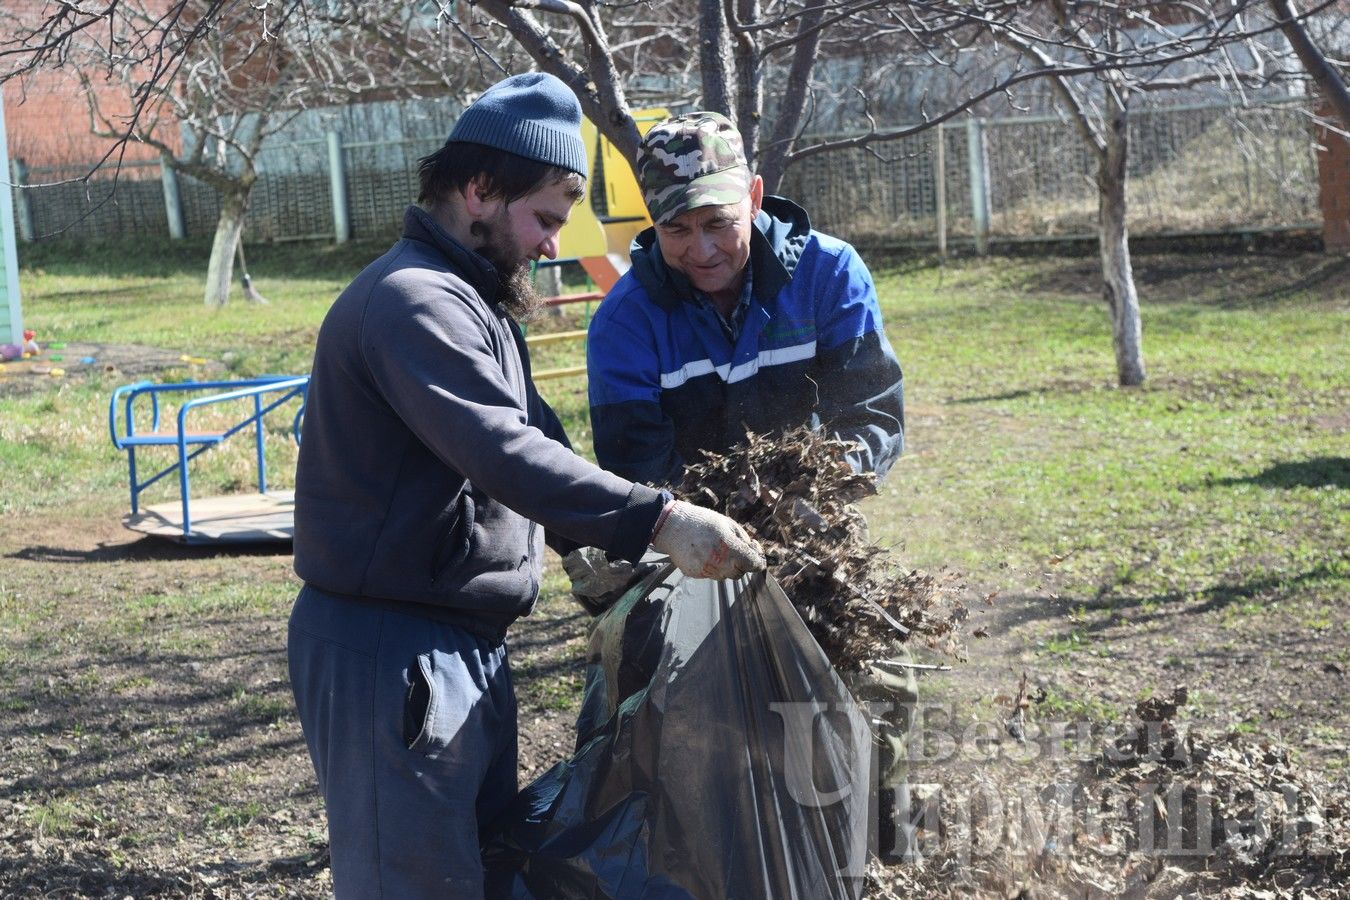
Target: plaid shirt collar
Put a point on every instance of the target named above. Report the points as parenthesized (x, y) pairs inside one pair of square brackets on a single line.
[(732, 325)]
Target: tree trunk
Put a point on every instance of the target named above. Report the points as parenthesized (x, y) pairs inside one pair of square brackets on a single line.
[(1114, 240), (714, 57), (792, 101), (598, 86), (749, 80), (1326, 78), (220, 269)]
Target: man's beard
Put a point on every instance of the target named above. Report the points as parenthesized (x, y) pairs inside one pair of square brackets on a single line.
[(515, 290)]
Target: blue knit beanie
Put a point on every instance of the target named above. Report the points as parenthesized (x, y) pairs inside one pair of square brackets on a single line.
[(533, 115)]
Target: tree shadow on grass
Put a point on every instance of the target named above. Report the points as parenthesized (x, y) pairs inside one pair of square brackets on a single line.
[(1328, 273), (1217, 277), (1007, 395), (147, 549), (146, 705), (1160, 607), (1054, 386), (1319, 472)]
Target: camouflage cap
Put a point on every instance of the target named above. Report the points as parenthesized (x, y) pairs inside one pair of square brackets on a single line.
[(690, 161)]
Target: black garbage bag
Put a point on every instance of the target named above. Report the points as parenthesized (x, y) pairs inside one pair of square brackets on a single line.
[(718, 756)]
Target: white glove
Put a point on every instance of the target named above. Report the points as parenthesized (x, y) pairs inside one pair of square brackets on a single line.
[(598, 581), (705, 544)]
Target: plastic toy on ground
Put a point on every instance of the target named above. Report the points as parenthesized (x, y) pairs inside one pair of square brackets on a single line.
[(236, 518)]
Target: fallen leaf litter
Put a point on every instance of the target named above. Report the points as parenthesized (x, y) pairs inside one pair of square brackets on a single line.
[(796, 494)]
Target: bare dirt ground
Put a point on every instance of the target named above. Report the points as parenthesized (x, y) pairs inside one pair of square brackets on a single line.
[(149, 747), (1059, 810)]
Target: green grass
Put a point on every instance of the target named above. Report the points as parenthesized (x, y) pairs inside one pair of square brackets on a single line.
[(268, 709), (58, 817), (1059, 705), (154, 299), (226, 598), (1218, 477), (229, 817), (1221, 481)]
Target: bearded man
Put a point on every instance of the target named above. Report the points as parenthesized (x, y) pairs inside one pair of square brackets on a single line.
[(430, 475)]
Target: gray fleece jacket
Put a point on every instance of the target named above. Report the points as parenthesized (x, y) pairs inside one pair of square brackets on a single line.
[(427, 457)]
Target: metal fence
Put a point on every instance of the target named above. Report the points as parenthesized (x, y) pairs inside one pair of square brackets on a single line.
[(1194, 169)]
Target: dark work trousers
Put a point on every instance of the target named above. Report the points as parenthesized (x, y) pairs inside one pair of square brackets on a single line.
[(411, 726)]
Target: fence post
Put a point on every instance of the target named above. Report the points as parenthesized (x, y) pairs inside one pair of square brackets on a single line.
[(940, 190), (23, 210), (173, 200), (977, 154), (337, 182)]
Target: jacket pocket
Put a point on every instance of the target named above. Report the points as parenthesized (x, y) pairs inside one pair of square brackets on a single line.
[(457, 543)]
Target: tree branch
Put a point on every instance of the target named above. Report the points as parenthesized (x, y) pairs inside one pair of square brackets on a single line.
[(1326, 78), (599, 88)]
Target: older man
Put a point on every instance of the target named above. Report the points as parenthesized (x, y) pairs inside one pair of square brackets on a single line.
[(735, 315)]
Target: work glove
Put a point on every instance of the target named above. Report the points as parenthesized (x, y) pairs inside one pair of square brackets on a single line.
[(598, 581), (705, 544)]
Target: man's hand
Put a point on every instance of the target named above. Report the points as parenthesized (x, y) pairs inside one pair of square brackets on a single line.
[(705, 544), (598, 581)]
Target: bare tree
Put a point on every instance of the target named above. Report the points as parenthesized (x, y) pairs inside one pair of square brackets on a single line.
[(1099, 56), (742, 46), (207, 82), (1130, 49), (1324, 74)]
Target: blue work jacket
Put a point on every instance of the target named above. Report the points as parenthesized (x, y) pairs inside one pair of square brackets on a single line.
[(666, 381)]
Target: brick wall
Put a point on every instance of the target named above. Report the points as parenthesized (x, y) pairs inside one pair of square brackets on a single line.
[(1333, 172), (47, 111), (48, 122)]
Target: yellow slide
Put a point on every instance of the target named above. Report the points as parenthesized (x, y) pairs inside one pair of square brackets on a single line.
[(600, 243)]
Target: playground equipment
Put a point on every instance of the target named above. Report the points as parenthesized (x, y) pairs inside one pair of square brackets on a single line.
[(599, 241), (597, 236), (264, 516), (601, 229)]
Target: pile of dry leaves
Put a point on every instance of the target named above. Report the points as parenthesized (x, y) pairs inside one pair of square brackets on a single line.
[(1238, 801), (1153, 810), (795, 493)]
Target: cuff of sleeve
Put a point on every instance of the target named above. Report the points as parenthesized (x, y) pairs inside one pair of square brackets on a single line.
[(637, 521), (661, 519)]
